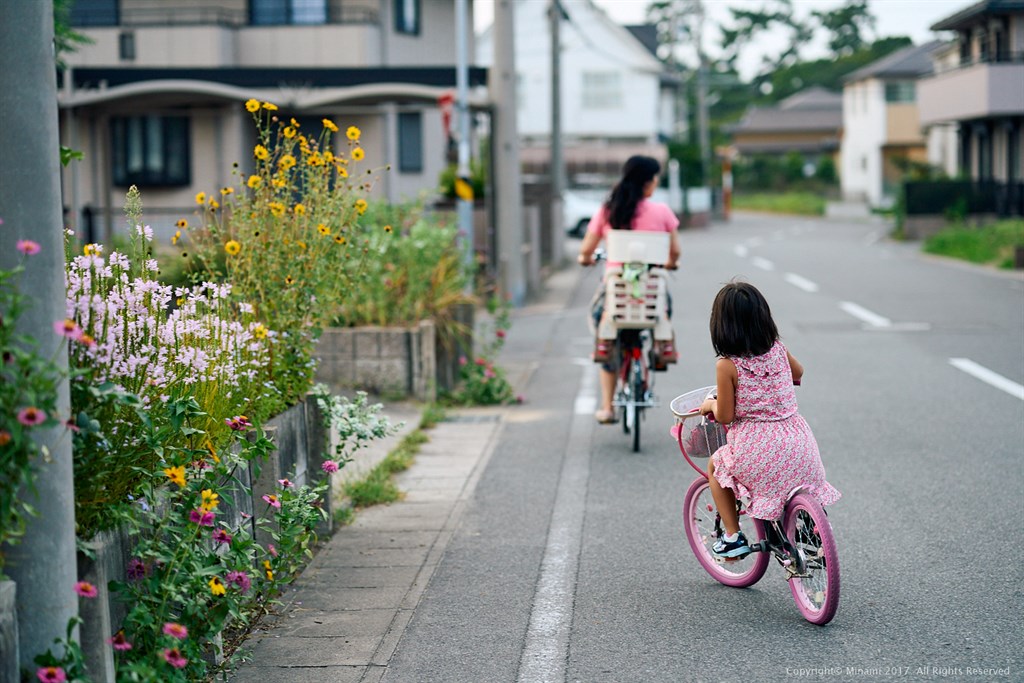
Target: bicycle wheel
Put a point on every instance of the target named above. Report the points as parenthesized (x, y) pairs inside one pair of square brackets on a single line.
[(700, 519), (808, 529), (638, 395)]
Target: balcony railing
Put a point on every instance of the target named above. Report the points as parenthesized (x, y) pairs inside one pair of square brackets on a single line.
[(162, 14), (1001, 58)]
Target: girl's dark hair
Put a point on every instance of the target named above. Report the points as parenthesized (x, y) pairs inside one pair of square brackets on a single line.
[(627, 193), (741, 322)]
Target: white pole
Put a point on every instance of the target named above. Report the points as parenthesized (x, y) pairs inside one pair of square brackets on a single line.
[(463, 188)]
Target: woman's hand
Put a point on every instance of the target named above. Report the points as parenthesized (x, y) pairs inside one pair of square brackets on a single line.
[(585, 259)]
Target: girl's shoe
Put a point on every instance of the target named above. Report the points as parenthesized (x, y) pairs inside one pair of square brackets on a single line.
[(737, 548)]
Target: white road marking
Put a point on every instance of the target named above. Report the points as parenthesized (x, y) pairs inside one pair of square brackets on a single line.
[(872, 237), (763, 264), (741, 250), (801, 282), (864, 314), (988, 376), (586, 399), (546, 650)]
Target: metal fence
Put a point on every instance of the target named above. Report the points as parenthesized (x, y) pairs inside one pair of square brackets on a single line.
[(966, 197)]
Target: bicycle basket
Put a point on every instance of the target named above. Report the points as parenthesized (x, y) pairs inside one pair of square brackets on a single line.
[(698, 436)]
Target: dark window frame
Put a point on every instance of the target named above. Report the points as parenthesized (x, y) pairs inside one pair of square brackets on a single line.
[(288, 12), (86, 13), (174, 133), (410, 142), (402, 23)]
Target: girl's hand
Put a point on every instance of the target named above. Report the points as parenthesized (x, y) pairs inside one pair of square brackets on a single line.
[(708, 407)]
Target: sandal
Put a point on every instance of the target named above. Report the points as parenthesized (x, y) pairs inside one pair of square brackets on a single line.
[(605, 417), (602, 352)]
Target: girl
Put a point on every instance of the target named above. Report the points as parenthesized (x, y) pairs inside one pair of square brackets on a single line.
[(628, 208), (770, 449)]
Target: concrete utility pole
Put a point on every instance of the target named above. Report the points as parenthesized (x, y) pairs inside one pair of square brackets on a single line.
[(43, 564), (507, 183), (702, 93), (463, 187), (555, 15)]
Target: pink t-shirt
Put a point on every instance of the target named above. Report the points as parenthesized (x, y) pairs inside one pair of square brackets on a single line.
[(649, 217)]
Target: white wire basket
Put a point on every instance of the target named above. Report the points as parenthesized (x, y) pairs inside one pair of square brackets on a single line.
[(698, 436)]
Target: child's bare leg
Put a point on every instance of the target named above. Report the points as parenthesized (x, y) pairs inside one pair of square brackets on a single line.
[(725, 501)]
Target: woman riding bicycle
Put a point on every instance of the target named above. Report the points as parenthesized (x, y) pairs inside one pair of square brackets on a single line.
[(628, 208)]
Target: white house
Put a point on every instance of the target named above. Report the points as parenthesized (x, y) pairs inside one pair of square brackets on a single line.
[(616, 99), (881, 124), (156, 99)]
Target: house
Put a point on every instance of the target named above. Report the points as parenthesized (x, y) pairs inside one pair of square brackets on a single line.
[(882, 125), (975, 97), (809, 123), (616, 97), (156, 99)]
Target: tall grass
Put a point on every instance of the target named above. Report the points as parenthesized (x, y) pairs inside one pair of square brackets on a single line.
[(799, 203), (992, 244)]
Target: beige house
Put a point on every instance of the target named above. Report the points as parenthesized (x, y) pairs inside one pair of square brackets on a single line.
[(882, 124), (977, 93), (156, 99)]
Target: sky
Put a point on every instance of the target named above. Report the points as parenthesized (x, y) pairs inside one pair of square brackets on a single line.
[(893, 18)]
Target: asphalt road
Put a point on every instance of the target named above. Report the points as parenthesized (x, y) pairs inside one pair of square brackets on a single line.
[(571, 563)]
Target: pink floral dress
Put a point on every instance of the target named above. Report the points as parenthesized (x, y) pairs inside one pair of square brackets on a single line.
[(769, 449)]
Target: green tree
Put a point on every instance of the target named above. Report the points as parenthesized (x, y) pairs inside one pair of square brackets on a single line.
[(846, 26)]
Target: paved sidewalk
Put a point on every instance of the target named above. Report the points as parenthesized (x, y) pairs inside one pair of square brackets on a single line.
[(343, 618)]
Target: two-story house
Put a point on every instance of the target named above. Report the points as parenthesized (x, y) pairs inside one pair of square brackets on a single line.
[(616, 97), (977, 95), (156, 99), (882, 125)]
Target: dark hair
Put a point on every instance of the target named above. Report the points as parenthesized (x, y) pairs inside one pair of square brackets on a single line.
[(741, 322), (627, 193)]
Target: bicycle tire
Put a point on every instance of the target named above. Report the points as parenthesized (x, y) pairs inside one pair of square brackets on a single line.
[(699, 516), (807, 527), (638, 395)]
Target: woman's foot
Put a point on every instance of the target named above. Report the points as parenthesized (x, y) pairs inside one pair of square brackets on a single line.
[(605, 417)]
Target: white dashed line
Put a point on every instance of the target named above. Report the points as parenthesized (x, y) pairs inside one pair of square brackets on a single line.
[(741, 250), (988, 377), (801, 282), (763, 264), (864, 315)]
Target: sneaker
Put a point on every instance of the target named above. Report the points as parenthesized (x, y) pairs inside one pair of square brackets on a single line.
[(737, 548), (602, 351)]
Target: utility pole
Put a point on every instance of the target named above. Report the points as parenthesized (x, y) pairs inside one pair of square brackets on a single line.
[(507, 183), (463, 187), (43, 564), (702, 93), (555, 16)]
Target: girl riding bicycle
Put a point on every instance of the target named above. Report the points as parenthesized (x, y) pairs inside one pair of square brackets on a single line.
[(770, 449), (628, 208)]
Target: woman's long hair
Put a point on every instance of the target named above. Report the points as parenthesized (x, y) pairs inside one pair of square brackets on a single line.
[(627, 193)]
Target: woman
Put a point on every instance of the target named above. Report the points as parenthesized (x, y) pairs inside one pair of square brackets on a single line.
[(628, 208)]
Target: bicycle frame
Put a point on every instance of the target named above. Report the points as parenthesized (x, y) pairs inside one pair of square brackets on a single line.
[(631, 350)]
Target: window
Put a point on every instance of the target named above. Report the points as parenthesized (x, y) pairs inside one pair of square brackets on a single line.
[(410, 142), (602, 90), (126, 45), (407, 16), (900, 92), (150, 150), (94, 13), (279, 12)]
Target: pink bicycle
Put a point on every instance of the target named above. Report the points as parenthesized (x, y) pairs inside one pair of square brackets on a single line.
[(801, 540)]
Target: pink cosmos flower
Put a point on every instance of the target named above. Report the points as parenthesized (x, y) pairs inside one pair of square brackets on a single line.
[(174, 657), (271, 549), (238, 423), (28, 247), (481, 361), (222, 536), (68, 328), (119, 642), (285, 483), (176, 630), (30, 417), (51, 674), (329, 466), (463, 360), (201, 517), (272, 501), (86, 589), (240, 579), (136, 569), (500, 334)]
